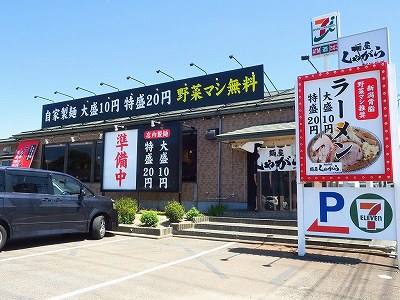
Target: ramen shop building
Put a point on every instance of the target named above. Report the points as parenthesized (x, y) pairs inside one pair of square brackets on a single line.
[(213, 139)]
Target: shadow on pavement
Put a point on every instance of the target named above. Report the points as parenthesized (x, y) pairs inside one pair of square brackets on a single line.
[(290, 254), (332, 256), (26, 243)]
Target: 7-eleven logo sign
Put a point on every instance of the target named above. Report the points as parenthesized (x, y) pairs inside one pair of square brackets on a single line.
[(325, 29), (371, 213)]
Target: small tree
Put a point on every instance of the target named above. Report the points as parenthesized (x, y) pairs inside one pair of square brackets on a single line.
[(149, 218), (193, 212), (216, 210), (127, 208), (174, 211)]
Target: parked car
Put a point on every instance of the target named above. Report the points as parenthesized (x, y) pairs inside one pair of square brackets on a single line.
[(37, 202)]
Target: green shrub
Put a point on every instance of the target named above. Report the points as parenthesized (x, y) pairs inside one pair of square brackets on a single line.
[(193, 212), (174, 211), (149, 218), (127, 208), (216, 210)]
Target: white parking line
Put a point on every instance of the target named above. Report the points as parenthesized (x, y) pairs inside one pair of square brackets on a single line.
[(61, 250), (131, 276)]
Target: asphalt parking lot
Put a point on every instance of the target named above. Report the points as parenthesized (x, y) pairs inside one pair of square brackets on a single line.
[(125, 267)]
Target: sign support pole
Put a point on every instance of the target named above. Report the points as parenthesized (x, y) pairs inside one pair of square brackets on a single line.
[(395, 154), (397, 206), (301, 238), (326, 63), (301, 243)]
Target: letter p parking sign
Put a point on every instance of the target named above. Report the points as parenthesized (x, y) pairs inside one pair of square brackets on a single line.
[(350, 212)]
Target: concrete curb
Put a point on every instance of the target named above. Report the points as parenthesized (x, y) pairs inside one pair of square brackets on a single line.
[(159, 232), (154, 237)]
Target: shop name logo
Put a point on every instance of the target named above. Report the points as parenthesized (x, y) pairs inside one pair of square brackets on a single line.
[(323, 27), (371, 213)]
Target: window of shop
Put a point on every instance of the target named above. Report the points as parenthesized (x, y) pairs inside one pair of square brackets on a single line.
[(98, 161), (53, 157), (6, 162), (81, 160), (189, 156)]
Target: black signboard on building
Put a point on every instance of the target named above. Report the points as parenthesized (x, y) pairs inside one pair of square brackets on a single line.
[(208, 90), (158, 159)]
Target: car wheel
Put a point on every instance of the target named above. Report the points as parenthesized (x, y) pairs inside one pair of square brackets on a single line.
[(98, 228), (3, 236)]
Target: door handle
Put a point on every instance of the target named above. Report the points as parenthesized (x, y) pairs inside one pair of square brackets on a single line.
[(46, 200)]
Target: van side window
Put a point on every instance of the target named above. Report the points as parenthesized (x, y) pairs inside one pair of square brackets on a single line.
[(64, 185), (30, 184), (2, 182)]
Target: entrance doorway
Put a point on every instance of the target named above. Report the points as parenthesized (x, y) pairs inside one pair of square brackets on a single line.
[(277, 190)]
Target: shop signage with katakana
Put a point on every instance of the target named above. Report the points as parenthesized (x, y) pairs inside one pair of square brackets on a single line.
[(344, 125)]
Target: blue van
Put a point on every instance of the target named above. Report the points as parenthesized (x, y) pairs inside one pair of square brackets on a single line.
[(37, 202)]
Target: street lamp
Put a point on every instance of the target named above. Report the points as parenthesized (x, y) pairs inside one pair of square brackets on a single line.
[(130, 77), (306, 57), (231, 56), (270, 82), (44, 98), (56, 92), (103, 83), (79, 88), (193, 64), (153, 123), (159, 71)]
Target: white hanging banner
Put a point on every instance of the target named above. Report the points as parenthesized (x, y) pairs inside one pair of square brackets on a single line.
[(266, 159), (276, 158)]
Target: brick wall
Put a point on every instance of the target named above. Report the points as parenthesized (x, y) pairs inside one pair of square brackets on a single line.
[(233, 161)]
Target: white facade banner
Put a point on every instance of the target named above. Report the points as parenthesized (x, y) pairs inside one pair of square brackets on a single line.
[(119, 170)]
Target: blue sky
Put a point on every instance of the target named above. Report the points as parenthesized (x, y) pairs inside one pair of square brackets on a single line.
[(57, 45)]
